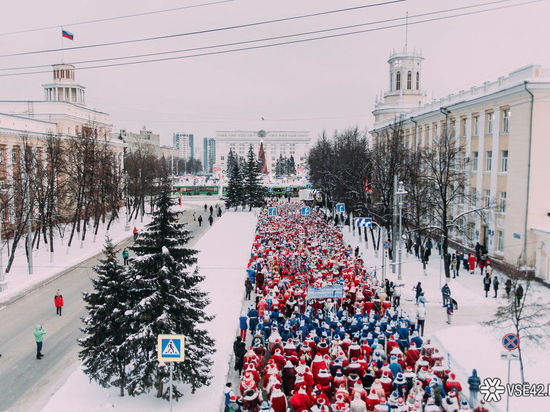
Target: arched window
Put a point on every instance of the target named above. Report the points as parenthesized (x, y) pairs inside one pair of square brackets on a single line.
[(398, 81), (417, 80), (409, 80)]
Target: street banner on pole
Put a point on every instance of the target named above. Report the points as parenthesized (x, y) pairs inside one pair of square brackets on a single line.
[(333, 291)]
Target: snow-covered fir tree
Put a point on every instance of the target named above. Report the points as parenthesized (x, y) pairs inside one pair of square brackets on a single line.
[(105, 327), (165, 298), (235, 190), (253, 190)]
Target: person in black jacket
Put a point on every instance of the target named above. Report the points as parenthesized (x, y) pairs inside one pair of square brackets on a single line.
[(487, 284), (508, 288), (248, 286)]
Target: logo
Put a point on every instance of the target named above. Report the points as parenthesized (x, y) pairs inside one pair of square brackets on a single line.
[(492, 389)]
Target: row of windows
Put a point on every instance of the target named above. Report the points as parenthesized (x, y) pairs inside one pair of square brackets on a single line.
[(489, 123), (63, 74), (409, 80), (489, 161), (501, 202)]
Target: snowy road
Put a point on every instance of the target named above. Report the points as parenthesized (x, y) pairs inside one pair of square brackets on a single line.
[(25, 382)]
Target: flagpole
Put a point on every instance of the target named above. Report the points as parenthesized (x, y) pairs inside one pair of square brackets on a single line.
[(62, 44)]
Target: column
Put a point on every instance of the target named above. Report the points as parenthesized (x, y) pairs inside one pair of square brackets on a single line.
[(494, 172), (480, 165)]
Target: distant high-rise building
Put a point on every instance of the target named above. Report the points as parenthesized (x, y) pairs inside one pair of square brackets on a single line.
[(184, 142), (208, 153)]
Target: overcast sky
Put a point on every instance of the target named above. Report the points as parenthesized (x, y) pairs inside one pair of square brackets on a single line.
[(326, 84)]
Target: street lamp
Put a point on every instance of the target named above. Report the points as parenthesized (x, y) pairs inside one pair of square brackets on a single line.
[(127, 225), (400, 193)]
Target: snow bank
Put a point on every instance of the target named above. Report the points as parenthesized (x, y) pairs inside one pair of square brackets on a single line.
[(224, 253)]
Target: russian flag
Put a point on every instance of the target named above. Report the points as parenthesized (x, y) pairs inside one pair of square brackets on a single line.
[(67, 34)]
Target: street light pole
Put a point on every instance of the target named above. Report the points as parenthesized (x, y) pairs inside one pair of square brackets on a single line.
[(400, 193), (127, 225)]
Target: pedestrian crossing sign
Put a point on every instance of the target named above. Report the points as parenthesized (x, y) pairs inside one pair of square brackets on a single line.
[(171, 348)]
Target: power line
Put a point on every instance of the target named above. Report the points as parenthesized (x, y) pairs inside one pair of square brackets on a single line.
[(217, 29), (127, 16), (260, 40), (283, 43)]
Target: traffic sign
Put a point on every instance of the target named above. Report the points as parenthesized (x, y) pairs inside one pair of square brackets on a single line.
[(270, 189), (305, 211), (509, 355), (387, 244), (340, 207), (272, 211), (362, 221), (308, 186), (510, 341), (287, 189), (171, 348)]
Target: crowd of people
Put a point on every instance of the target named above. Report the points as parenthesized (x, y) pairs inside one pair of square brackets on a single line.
[(321, 334)]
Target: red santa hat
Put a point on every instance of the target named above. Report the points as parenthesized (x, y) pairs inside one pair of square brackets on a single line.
[(277, 386), (453, 376)]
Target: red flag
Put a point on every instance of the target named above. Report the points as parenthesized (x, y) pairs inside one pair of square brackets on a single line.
[(367, 186)]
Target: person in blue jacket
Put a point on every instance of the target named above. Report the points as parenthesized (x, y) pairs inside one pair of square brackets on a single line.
[(252, 318), (243, 324)]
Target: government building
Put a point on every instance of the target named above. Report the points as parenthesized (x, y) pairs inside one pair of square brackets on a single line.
[(504, 126)]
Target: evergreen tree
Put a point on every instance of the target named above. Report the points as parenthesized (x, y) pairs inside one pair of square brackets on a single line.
[(291, 166), (235, 190), (254, 192), (231, 160), (165, 298), (106, 327)]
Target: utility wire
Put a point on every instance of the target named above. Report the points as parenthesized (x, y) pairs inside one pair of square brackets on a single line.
[(260, 40), (284, 43), (217, 29), (127, 16)]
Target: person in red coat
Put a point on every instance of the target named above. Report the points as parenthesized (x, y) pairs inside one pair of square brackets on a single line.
[(251, 401), (278, 399), (58, 301), (472, 263), (300, 401)]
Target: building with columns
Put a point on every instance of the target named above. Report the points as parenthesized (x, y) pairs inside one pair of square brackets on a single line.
[(503, 126), (276, 143)]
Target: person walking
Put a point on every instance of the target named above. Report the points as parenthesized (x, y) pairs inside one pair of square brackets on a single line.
[(508, 288), (487, 284), (519, 294), (135, 233), (39, 333), (194, 216), (397, 296), (418, 291), (472, 263), (210, 220), (200, 220), (450, 310), (248, 286), (205, 207), (125, 256), (474, 382), (446, 294), (58, 302), (456, 263), (495, 285), (420, 318), (211, 210)]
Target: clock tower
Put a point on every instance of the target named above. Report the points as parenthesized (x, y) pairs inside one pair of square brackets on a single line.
[(406, 90)]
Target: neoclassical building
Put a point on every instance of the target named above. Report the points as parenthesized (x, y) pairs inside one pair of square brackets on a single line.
[(504, 126)]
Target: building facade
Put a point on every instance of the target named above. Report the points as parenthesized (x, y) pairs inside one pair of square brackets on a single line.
[(502, 127), (208, 154), (276, 143), (185, 143), (145, 140)]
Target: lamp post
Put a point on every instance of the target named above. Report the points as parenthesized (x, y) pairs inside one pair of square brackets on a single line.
[(400, 193), (127, 224)]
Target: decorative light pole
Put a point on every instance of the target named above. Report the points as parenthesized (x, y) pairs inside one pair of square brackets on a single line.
[(400, 193), (127, 225)]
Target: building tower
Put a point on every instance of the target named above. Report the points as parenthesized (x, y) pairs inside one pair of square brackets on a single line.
[(406, 86), (64, 87)]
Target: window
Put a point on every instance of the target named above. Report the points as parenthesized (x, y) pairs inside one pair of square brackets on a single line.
[(500, 240), (222, 158), (504, 161), (471, 230), (409, 80), (417, 80), (398, 81), (486, 198), (502, 202), (1, 155), (461, 194), (474, 196), (474, 160), (490, 122), (462, 127), (67, 75), (488, 160), (505, 120), (475, 125)]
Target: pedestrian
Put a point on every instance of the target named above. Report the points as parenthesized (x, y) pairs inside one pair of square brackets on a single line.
[(210, 220), (200, 220), (495, 284), (135, 233), (219, 212), (508, 288), (450, 310), (489, 269), (418, 291), (39, 332), (446, 293), (248, 286), (194, 216), (58, 302), (125, 256), (474, 382), (456, 262), (472, 263), (228, 393), (397, 296), (409, 245), (519, 294), (420, 318), (487, 284), (427, 253), (239, 356), (243, 324), (483, 263), (478, 251), (205, 207)]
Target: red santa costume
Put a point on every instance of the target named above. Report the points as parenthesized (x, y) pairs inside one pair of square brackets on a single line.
[(278, 399), (300, 400)]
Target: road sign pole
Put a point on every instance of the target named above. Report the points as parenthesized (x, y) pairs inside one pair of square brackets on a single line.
[(171, 367), (507, 393)]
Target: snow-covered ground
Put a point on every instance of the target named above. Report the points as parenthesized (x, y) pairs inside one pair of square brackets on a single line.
[(224, 253), (470, 344), (20, 282)]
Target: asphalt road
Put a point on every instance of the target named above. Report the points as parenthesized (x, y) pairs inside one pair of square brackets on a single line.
[(26, 383)]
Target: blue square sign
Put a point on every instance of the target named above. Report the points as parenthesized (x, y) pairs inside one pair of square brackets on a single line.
[(170, 348), (305, 210), (272, 211), (340, 207)]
